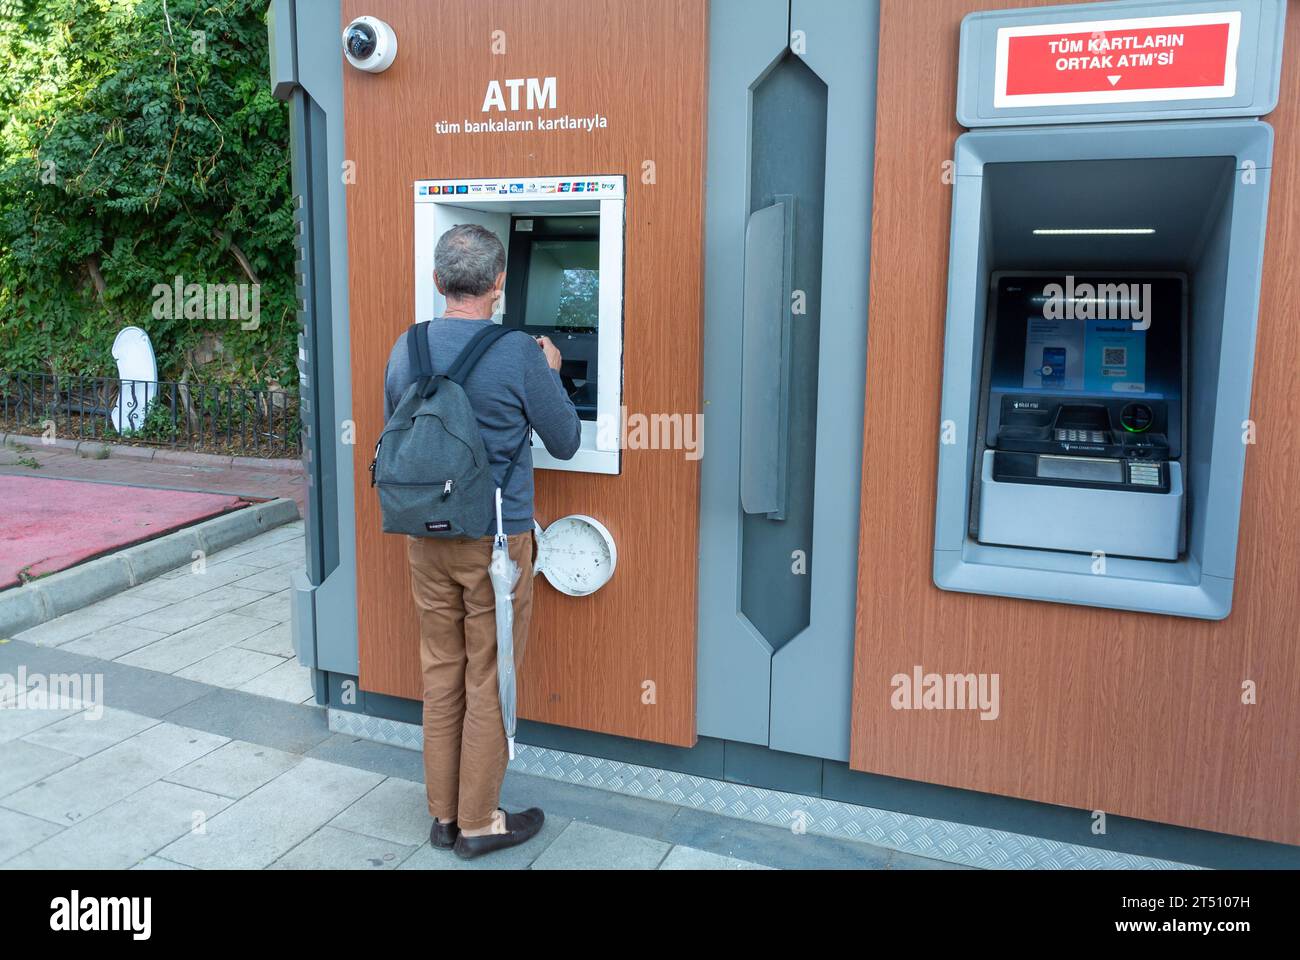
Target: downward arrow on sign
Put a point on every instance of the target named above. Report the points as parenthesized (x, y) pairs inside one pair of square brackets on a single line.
[(1113, 79)]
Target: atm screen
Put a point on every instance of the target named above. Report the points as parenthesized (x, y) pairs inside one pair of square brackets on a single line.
[(1089, 336), (563, 284), (553, 290)]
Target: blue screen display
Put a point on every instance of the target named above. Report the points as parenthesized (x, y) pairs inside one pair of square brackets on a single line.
[(1089, 337)]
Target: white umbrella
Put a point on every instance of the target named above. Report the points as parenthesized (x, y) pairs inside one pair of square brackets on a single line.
[(505, 574)]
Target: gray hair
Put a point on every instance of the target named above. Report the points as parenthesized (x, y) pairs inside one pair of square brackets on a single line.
[(467, 260)]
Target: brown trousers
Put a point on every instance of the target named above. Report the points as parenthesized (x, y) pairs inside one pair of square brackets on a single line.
[(464, 740)]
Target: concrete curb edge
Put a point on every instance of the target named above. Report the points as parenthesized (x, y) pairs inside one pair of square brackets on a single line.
[(98, 450), (39, 601)]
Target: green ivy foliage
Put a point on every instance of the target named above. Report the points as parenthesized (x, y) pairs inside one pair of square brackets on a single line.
[(139, 141)]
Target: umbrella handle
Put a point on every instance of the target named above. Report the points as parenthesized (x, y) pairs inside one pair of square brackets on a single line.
[(500, 530)]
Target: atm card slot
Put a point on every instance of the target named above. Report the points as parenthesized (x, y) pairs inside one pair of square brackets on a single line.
[(1095, 469)]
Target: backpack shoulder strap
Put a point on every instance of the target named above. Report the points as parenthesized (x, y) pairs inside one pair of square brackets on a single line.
[(524, 444), (519, 452), (417, 350), (474, 350)]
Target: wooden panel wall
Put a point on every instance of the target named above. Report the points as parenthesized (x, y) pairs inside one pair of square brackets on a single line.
[(1134, 714), (641, 65)]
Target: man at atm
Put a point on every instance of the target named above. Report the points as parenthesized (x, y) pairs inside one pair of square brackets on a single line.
[(514, 389)]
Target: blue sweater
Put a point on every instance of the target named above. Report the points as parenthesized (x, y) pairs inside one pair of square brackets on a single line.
[(511, 389)]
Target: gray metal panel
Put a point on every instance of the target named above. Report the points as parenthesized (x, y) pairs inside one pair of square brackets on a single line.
[(764, 360), (746, 37), (282, 43), (1259, 63), (327, 347), (1199, 584), (1235, 350), (302, 619), (812, 674), (788, 158)]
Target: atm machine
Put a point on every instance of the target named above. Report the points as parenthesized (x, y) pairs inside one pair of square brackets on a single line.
[(564, 279), (1103, 292), (1080, 430)]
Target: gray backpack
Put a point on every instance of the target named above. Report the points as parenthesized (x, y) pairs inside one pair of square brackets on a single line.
[(430, 464)]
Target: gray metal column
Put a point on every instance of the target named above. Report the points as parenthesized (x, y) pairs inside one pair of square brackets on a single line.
[(788, 221), (812, 676), (746, 40), (306, 70)]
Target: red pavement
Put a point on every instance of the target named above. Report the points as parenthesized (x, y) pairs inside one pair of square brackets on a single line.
[(49, 524)]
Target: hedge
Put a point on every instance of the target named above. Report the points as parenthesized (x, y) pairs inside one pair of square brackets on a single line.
[(140, 143)]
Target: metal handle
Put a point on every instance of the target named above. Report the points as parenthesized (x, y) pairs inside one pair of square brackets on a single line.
[(765, 358)]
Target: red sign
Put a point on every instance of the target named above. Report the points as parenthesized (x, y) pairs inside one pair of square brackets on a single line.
[(1193, 56)]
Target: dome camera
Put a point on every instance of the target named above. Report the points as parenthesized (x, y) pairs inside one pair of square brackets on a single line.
[(369, 44)]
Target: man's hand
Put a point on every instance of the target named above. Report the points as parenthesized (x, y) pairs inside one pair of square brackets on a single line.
[(553, 358)]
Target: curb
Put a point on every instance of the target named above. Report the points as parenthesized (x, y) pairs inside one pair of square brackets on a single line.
[(99, 450), (31, 604)]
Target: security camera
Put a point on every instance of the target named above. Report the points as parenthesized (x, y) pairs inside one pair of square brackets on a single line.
[(370, 44)]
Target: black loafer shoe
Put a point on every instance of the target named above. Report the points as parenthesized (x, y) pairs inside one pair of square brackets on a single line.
[(520, 828), (443, 835)]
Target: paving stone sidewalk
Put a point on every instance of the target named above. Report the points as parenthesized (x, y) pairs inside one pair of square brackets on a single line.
[(206, 751)]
